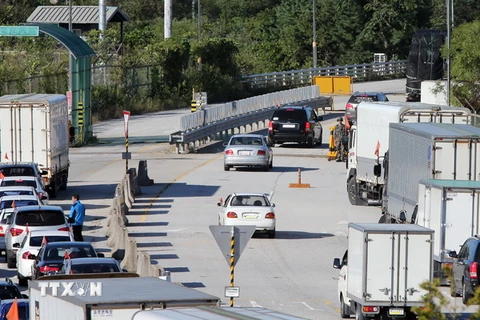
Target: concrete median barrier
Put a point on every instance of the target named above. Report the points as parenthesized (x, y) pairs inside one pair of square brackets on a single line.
[(126, 193), (134, 182), (154, 271), (118, 250), (143, 179), (119, 192), (116, 229), (129, 262), (143, 264), (121, 210), (130, 193)]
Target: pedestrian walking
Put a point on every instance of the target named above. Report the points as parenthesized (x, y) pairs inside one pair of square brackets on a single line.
[(339, 132), (77, 214)]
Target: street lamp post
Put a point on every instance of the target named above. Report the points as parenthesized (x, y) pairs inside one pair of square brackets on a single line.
[(448, 51), (314, 43)]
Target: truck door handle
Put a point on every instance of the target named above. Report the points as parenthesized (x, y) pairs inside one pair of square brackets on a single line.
[(411, 291), (385, 291)]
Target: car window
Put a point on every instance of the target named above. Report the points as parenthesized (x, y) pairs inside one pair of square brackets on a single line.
[(37, 241), (40, 218), (361, 98), (95, 268), (55, 253), (290, 115), (17, 203), (246, 141), (13, 183), (5, 216), (16, 192), (463, 253), (472, 247), (250, 201), (18, 171), (9, 292), (226, 201)]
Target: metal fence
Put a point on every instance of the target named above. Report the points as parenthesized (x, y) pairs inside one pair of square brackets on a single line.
[(211, 114), (376, 70)]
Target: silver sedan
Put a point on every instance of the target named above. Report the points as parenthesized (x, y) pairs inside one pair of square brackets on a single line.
[(247, 150)]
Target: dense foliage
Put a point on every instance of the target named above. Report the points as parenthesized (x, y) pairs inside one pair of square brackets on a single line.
[(235, 38)]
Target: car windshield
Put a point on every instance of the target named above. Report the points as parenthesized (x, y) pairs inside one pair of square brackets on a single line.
[(9, 292), (39, 218), (95, 268), (20, 182), (246, 141), (17, 203), (257, 201), (37, 241), (289, 115), (16, 193), (58, 253), (17, 171), (358, 99)]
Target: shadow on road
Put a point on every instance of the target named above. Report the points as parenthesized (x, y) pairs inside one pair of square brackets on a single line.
[(177, 269), (296, 235), (147, 234), (164, 256), (150, 212), (147, 224), (184, 190), (154, 244), (88, 192)]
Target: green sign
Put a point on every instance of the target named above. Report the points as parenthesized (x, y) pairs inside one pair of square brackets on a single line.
[(19, 31)]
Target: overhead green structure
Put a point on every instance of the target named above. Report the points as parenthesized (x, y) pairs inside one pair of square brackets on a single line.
[(81, 78)]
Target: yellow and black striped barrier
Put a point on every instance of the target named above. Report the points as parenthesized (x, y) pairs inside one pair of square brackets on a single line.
[(80, 114), (232, 265), (194, 106)]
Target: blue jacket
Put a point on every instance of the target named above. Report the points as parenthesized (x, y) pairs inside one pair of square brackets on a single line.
[(77, 211)]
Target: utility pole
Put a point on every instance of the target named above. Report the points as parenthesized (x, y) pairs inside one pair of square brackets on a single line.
[(314, 43), (199, 18), (448, 50)]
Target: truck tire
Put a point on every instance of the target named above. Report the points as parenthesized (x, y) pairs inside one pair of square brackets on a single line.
[(11, 264), (344, 309), (352, 191), (63, 185), (52, 190), (358, 312)]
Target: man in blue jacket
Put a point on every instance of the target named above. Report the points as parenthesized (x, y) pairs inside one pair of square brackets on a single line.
[(77, 214)]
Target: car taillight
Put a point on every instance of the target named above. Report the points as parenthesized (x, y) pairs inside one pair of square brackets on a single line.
[(15, 231), (270, 215), (232, 214), (261, 153), (27, 255), (349, 106), (270, 126), (64, 229), (473, 271), (2, 232), (370, 309), (229, 151), (307, 126), (40, 195), (45, 269)]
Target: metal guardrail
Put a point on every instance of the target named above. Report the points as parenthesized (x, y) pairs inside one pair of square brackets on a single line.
[(305, 76), (209, 115)]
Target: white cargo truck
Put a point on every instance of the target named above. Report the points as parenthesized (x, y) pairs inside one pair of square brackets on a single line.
[(452, 209), (369, 139), (34, 128), (383, 269), (86, 297), (426, 151)]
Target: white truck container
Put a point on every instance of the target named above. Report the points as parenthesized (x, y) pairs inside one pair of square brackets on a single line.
[(434, 92), (426, 151), (450, 208), (118, 298), (385, 266), (34, 128), (365, 179)]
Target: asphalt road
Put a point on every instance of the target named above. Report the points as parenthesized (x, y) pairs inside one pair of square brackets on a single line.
[(292, 273)]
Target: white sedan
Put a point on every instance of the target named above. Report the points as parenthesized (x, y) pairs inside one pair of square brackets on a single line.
[(29, 248), (248, 209), (29, 181)]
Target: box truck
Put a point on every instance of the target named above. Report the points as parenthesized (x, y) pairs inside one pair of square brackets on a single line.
[(369, 139), (85, 297), (451, 209), (34, 128), (426, 151), (382, 270)]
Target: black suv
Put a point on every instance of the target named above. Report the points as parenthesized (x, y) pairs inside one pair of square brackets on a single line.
[(295, 124), (8, 290), (465, 269)]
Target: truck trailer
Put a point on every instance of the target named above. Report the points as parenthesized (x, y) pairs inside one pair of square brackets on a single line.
[(369, 141), (383, 269), (426, 151), (119, 298), (452, 209), (34, 128)]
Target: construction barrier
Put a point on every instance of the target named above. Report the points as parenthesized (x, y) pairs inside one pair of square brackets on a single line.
[(333, 84)]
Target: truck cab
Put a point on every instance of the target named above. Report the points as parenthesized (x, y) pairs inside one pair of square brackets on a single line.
[(345, 302)]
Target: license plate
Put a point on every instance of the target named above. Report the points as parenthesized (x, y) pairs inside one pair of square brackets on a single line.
[(396, 312), (250, 216), (244, 153), (289, 126)]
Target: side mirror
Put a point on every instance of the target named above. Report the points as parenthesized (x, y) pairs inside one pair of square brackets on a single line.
[(100, 255), (319, 118), (273, 205), (16, 245), (453, 254), (44, 172), (219, 204), (24, 296), (377, 170), (32, 257), (225, 144), (336, 263), (124, 270)]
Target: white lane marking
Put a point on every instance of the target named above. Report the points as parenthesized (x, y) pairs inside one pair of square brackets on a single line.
[(176, 230), (305, 304), (256, 305)]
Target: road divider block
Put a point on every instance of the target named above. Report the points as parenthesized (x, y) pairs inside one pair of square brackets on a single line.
[(143, 264), (126, 192), (118, 250), (129, 261), (131, 196), (121, 210), (143, 179), (134, 182), (115, 234), (154, 271)]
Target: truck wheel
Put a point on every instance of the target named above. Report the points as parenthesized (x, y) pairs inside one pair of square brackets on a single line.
[(311, 143), (358, 312), (344, 309), (11, 264), (63, 186), (22, 281), (52, 190), (352, 192)]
